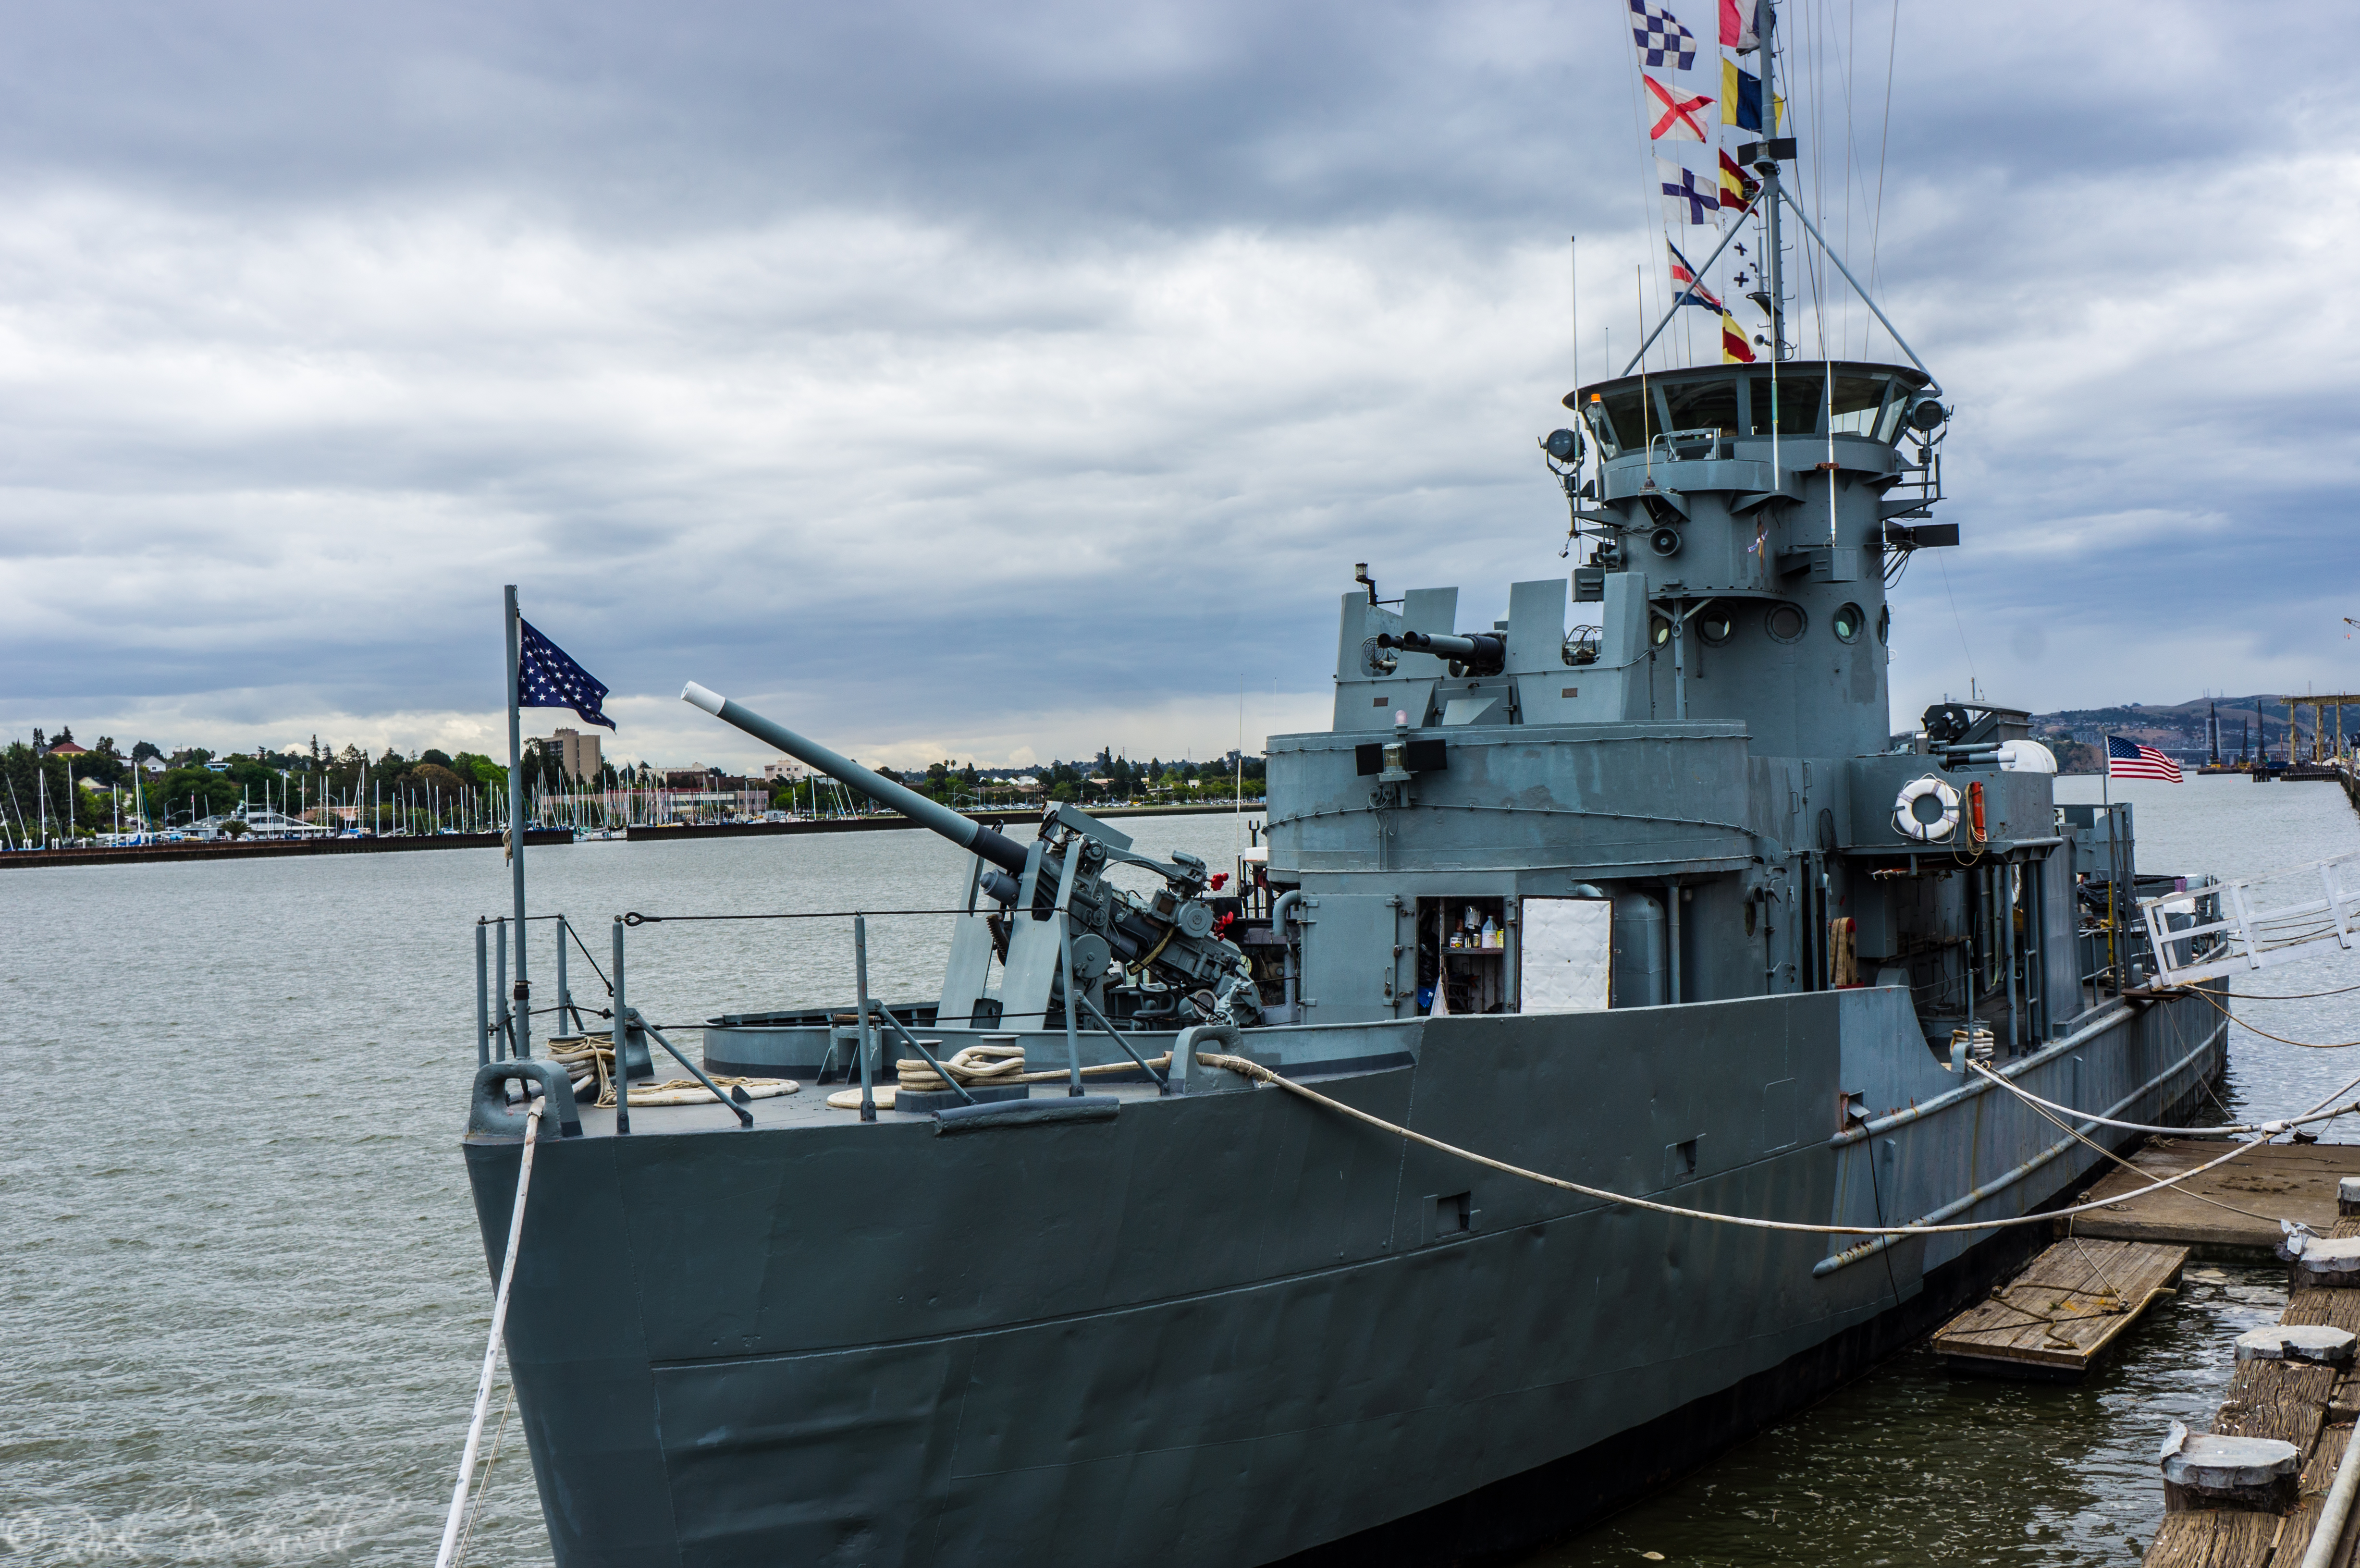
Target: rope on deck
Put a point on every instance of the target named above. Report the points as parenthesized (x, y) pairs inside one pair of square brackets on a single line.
[(1261, 1074), (491, 1345)]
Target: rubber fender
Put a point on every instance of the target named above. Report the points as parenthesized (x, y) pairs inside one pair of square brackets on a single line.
[(489, 1116)]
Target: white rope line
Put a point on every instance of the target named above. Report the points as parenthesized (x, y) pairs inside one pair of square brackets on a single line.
[(2268, 1129), (492, 1345), (1259, 1074)]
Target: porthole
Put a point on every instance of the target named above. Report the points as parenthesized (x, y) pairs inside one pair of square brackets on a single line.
[(1785, 623), (1884, 624), (1715, 623), (1847, 623), (1659, 631)]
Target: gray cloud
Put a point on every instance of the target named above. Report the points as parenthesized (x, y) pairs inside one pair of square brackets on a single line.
[(988, 379)]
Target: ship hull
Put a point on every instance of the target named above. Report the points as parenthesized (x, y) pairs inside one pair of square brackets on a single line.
[(1231, 1328)]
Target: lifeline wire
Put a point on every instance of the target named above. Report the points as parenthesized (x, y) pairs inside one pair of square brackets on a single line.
[(2305, 1044), (1259, 1074), (2266, 1129), (2070, 1130)]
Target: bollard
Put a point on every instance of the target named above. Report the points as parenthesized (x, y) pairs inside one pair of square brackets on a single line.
[(2347, 1195), (2297, 1341), (2316, 1262), (2201, 1471)]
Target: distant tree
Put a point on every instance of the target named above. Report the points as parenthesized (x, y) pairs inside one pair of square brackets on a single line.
[(439, 759), (146, 750), (65, 735)]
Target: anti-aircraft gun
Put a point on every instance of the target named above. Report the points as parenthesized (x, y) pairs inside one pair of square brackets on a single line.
[(1152, 961)]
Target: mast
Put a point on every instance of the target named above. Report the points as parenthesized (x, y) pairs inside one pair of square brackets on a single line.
[(1773, 269)]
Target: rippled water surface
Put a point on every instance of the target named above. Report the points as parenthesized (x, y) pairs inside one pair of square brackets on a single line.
[(241, 1298)]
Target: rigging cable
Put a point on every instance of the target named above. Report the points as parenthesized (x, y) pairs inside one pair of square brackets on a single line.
[(1884, 138)]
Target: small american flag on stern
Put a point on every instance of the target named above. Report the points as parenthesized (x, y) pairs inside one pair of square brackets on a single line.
[(2128, 760)]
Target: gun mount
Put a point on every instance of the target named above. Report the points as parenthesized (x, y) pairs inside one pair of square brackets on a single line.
[(1485, 653), (1144, 961)]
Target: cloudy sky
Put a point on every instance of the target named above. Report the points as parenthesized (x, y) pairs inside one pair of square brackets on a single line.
[(1006, 381)]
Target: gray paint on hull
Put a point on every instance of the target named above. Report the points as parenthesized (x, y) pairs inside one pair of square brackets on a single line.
[(1220, 1329)]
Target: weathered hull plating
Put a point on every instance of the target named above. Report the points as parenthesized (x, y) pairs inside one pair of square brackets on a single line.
[(1226, 1328)]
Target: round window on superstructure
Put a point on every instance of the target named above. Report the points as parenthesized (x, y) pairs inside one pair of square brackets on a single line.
[(1884, 624), (1659, 631), (1847, 624), (1715, 623), (1785, 623)]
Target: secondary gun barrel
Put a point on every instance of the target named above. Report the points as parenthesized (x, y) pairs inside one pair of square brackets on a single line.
[(1486, 651), (1001, 851)]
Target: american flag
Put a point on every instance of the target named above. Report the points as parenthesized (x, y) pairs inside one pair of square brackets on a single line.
[(546, 678), (2128, 760)]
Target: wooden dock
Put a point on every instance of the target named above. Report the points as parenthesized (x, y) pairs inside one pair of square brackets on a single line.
[(2310, 1406), (2231, 1213), (2054, 1320)]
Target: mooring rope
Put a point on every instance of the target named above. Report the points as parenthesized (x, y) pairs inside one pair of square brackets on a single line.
[(484, 1481), (1259, 1074), (491, 1345)]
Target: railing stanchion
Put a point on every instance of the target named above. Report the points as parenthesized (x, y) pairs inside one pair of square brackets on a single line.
[(621, 1032), (483, 999), (860, 983), (500, 987), (564, 999)]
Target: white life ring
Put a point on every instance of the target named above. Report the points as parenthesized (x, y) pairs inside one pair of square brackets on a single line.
[(1905, 815)]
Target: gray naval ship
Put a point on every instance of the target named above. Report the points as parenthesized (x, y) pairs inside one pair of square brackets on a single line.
[(1633, 887)]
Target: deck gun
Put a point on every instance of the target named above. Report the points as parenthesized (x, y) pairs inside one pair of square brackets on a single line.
[(1154, 960)]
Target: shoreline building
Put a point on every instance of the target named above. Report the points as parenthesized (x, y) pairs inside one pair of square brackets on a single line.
[(576, 755)]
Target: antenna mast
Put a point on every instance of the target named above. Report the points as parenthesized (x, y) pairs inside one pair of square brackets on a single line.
[(1767, 162)]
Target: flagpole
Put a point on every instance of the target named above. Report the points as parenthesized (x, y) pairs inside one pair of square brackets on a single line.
[(522, 997)]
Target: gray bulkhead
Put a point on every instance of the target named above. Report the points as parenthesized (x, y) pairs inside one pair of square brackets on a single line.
[(1694, 726)]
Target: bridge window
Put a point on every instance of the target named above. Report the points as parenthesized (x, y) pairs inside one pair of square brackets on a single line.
[(1702, 406), (1796, 400)]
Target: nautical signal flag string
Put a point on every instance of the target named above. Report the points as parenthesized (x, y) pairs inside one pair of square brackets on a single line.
[(1692, 292), (547, 677), (1661, 38), (1683, 201), (1677, 114)]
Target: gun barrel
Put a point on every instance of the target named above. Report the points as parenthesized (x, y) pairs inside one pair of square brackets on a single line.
[(1001, 851), (1487, 649)]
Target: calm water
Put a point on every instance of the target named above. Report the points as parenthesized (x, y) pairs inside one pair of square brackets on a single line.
[(241, 1298)]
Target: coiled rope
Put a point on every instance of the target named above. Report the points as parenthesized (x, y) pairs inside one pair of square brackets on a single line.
[(588, 1058), (491, 1345), (976, 1066), (1259, 1074)]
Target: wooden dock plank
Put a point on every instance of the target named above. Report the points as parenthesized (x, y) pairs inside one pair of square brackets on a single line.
[(2059, 1314), (2312, 1407), (2288, 1181), (2284, 1399), (2318, 1474)]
